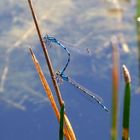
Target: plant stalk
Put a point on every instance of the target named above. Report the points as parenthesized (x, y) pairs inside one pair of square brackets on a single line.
[(46, 55), (127, 100)]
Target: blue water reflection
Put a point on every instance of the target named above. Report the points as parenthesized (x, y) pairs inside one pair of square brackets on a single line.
[(86, 28)]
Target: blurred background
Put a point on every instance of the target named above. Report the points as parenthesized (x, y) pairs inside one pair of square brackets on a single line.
[(86, 28)]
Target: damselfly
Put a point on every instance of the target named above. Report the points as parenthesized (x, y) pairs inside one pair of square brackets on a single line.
[(87, 92), (48, 40), (61, 76), (73, 47)]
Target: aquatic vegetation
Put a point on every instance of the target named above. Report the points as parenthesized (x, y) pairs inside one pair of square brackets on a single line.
[(115, 88), (138, 10), (62, 110), (68, 131), (127, 101)]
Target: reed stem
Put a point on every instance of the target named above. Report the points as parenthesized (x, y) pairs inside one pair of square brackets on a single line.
[(68, 131), (127, 99), (61, 122), (115, 88), (48, 61)]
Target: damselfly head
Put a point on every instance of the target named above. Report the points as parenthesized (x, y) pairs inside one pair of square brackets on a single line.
[(59, 78), (57, 73), (47, 41)]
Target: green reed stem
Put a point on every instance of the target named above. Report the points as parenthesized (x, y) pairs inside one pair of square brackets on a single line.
[(138, 9), (138, 33), (61, 135), (127, 99)]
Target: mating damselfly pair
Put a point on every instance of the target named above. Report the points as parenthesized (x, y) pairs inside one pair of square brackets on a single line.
[(49, 40)]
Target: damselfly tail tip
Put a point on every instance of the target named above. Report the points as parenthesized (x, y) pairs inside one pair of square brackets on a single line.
[(106, 109)]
